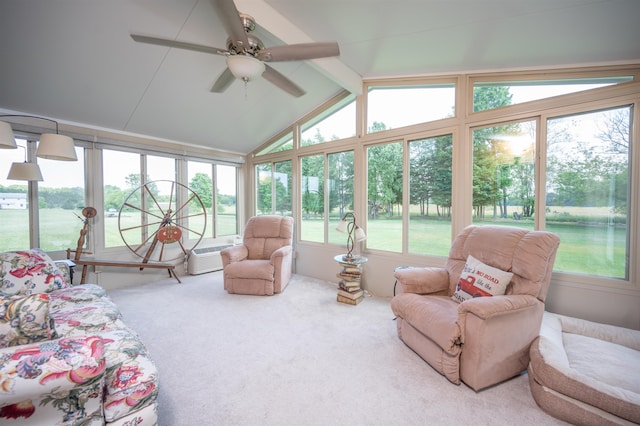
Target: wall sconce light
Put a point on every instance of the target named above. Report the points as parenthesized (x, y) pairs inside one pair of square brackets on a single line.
[(51, 146), (24, 171), (355, 234)]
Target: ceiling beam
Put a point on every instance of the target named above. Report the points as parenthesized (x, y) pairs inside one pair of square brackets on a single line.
[(272, 21)]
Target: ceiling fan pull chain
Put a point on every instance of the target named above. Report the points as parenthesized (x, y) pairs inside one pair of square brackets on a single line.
[(246, 91)]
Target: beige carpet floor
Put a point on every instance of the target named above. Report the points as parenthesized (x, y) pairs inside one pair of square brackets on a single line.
[(299, 358)]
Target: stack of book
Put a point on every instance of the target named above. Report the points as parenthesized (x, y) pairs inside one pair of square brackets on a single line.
[(349, 290)]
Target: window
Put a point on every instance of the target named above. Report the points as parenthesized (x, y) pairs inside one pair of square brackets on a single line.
[(14, 202), (274, 182), (200, 178), (430, 195), (283, 143), (61, 198), (263, 189), (336, 122), (504, 174), (515, 92), (588, 185), (390, 107), (226, 200), (340, 183), (312, 198), (121, 175), (384, 201), (284, 184)]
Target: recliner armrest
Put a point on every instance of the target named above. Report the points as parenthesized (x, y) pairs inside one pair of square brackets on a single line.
[(432, 280), (280, 253), (234, 254), (487, 307)]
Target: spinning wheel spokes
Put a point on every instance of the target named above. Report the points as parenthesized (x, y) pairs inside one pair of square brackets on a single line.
[(160, 227)]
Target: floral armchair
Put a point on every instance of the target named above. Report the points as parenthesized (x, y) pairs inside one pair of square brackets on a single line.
[(66, 356)]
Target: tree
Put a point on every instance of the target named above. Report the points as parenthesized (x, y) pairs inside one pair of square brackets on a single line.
[(385, 177), (341, 182), (313, 184), (202, 185)]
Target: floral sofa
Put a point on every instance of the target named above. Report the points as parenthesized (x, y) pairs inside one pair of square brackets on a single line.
[(66, 356)]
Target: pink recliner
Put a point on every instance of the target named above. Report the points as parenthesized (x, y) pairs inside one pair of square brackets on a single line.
[(446, 316), (262, 264)]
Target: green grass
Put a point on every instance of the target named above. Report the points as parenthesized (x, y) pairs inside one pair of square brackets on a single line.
[(585, 247), (60, 228)]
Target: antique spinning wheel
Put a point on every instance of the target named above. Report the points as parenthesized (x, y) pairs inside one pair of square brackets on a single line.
[(162, 228)]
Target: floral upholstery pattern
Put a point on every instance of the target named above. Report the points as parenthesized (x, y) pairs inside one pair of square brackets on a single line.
[(24, 319), (67, 372), (29, 272), (66, 353)]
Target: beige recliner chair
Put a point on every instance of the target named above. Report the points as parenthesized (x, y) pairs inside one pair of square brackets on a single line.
[(262, 264), (446, 316)]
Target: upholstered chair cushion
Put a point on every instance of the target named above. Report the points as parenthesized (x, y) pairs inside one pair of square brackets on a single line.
[(24, 319), (262, 265), (28, 272), (480, 341)]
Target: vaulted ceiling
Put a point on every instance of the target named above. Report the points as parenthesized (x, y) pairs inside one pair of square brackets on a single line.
[(74, 60)]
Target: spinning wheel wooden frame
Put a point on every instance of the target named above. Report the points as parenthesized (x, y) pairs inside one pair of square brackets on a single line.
[(150, 226)]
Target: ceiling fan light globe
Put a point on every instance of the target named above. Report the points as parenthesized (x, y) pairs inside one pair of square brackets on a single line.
[(245, 68)]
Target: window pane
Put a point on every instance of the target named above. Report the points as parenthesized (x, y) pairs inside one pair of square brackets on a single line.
[(200, 177), (14, 202), (587, 191), (61, 198), (284, 184), (226, 209), (340, 192), (384, 171), (312, 198), (121, 172), (430, 195), (398, 106), (504, 174), (531, 90), (284, 143), (337, 122), (263, 189)]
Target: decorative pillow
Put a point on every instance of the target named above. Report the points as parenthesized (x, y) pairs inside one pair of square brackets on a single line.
[(24, 319), (479, 280), (29, 272)]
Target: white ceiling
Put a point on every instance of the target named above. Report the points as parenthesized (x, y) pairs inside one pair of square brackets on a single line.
[(73, 60)]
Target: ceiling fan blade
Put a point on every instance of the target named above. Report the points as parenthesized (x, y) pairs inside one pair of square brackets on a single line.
[(223, 82), (178, 44), (298, 52), (282, 82), (231, 21)]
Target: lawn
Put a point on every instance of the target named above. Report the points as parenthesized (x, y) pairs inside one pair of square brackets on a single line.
[(584, 248)]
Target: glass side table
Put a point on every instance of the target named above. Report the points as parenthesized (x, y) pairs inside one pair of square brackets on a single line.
[(350, 286)]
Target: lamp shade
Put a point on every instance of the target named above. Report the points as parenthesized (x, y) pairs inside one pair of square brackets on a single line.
[(25, 171), (56, 147), (359, 235), (342, 225), (7, 139), (245, 68)]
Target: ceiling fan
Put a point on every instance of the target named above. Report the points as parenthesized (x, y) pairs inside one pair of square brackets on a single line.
[(245, 53)]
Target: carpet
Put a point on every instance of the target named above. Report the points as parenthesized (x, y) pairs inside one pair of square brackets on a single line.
[(298, 358)]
